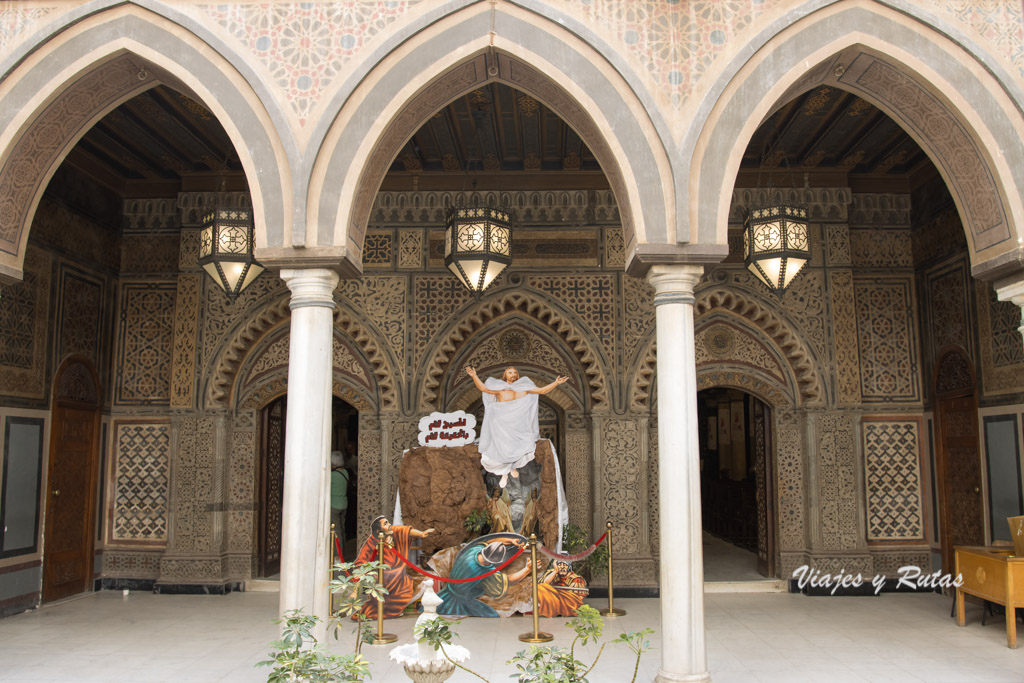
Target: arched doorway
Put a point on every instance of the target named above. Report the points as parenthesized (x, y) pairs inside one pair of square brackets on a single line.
[(270, 487), (957, 458), (71, 482), (736, 485)]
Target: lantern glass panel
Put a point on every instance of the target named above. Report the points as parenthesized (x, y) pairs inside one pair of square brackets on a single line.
[(767, 237), (797, 238), (254, 272), (493, 270), (793, 267), (500, 242), (205, 242), (471, 237), (233, 239)]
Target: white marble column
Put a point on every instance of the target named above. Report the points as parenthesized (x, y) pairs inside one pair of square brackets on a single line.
[(683, 651), (305, 554)]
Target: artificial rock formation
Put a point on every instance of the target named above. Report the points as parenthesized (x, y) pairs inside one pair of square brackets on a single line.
[(439, 487)]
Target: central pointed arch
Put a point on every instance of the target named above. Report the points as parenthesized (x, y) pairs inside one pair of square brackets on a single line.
[(471, 47)]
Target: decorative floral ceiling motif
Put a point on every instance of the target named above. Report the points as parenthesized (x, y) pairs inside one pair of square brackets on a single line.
[(305, 45), (16, 19), (675, 40)]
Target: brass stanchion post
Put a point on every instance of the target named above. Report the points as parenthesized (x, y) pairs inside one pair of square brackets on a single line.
[(330, 573), (537, 636), (612, 610), (382, 638)]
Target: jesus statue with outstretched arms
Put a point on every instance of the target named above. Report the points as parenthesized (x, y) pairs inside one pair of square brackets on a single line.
[(510, 431)]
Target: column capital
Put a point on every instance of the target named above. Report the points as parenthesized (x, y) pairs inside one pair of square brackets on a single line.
[(310, 286), (1012, 291), (674, 283)]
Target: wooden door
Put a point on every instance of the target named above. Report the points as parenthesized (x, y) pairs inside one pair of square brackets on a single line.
[(71, 483), (271, 499), (958, 461), (764, 479)]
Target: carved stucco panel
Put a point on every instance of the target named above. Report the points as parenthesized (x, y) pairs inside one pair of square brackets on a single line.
[(1002, 353), (622, 480), (844, 337), (791, 488), (186, 322), (837, 482), (370, 458)]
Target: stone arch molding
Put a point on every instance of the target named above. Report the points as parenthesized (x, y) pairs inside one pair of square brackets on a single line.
[(469, 47), (264, 373), (546, 351), (82, 69), (903, 65), (743, 312), (234, 351), (527, 304)]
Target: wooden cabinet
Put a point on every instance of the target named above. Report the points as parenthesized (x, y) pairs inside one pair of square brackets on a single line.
[(993, 574)]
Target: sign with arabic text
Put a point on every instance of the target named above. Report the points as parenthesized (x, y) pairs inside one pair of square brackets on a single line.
[(447, 429)]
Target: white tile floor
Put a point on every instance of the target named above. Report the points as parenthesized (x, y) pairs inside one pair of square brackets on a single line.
[(751, 637)]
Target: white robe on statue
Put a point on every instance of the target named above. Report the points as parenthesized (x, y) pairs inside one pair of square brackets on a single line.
[(509, 434)]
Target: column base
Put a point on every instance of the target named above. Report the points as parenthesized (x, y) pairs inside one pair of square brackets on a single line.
[(666, 677)]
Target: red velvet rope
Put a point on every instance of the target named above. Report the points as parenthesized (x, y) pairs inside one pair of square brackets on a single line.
[(573, 558), (469, 580), (341, 558)]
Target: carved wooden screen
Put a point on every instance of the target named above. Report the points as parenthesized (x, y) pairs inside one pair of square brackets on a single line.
[(71, 483), (271, 498), (764, 476), (958, 463)]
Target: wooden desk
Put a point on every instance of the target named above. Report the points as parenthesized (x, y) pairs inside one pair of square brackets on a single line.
[(993, 574)]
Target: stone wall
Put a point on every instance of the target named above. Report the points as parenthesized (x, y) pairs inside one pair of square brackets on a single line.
[(838, 358)]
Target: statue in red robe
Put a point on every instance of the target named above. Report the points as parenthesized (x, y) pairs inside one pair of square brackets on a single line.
[(401, 587)]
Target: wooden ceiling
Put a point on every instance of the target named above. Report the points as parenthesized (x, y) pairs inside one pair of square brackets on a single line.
[(161, 143)]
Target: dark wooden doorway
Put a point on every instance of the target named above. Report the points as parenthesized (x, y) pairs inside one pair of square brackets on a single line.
[(71, 482), (344, 434), (737, 473), (957, 456), (271, 486)]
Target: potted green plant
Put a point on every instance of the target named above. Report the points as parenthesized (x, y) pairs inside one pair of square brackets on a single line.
[(299, 657), (545, 663), (576, 540)]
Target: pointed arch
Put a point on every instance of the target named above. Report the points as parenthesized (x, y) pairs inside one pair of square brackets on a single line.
[(530, 306), (471, 46), (541, 355), (265, 371), (943, 95), (224, 368), (760, 320), (88, 68)]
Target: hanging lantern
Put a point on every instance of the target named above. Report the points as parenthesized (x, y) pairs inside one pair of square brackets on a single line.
[(477, 244), (225, 248), (775, 244)]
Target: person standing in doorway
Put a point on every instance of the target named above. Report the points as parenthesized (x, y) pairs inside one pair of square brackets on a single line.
[(339, 493)]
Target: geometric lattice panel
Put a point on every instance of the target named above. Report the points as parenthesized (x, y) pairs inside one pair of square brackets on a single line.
[(892, 480), (141, 482), (887, 339), (145, 342)]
